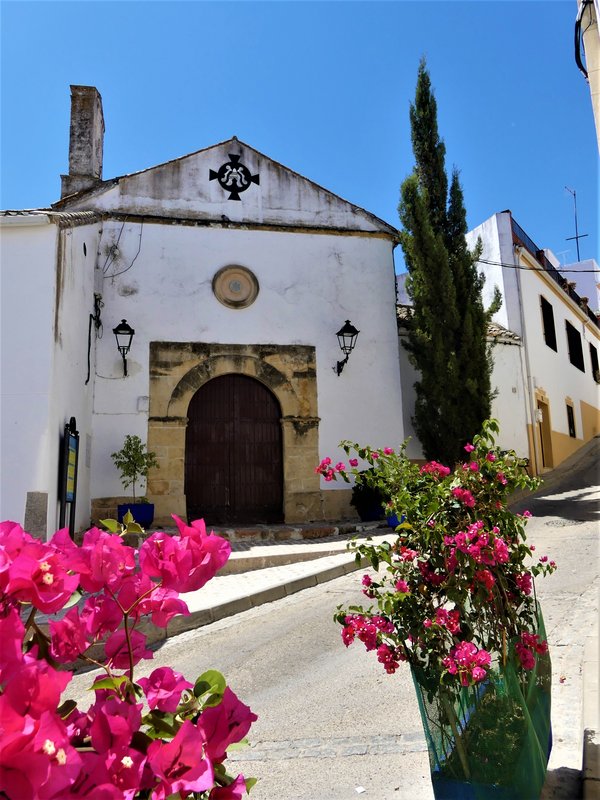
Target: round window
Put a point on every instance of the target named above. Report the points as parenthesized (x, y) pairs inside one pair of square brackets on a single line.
[(235, 287)]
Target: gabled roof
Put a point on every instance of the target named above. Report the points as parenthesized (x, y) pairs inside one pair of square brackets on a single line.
[(261, 190)]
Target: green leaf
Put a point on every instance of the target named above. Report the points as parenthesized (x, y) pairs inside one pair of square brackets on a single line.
[(210, 683), (250, 782), (111, 525), (110, 682), (133, 527), (238, 745), (160, 724), (128, 518), (73, 600)]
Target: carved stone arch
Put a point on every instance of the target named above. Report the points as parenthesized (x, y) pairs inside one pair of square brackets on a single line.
[(249, 365), (179, 369)]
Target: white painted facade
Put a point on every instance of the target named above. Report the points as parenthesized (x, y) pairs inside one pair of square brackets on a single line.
[(309, 283), (150, 244), (509, 405), (525, 274)]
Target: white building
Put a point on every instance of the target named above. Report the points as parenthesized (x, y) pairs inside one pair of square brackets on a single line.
[(560, 337), (546, 343), (236, 274)]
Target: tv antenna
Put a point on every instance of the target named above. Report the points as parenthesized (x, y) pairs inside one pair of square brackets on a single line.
[(578, 235)]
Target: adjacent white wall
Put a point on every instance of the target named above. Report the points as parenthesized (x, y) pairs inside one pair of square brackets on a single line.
[(27, 301), (45, 314)]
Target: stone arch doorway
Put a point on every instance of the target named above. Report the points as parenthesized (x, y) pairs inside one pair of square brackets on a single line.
[(233, 453), (178, 370)]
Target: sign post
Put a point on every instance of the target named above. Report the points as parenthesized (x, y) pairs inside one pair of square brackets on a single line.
[(68, 474)]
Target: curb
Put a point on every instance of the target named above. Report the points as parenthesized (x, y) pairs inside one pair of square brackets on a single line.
[(277, 591), (591, 727)]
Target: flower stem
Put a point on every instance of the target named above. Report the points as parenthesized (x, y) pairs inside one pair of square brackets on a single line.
[(457, 739)]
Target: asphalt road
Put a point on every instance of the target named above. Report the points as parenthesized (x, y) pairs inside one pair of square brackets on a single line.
[(332, 725)]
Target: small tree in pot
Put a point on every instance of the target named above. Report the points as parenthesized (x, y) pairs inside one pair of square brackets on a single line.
[(133, 462)]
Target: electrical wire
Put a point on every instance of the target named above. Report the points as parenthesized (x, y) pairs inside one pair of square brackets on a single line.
[(114, 274), (534, 269)]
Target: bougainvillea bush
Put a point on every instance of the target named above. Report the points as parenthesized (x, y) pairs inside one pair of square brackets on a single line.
[(454, 596), (155, 738)]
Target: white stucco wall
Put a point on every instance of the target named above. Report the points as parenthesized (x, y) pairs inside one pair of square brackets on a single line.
[(496, 239), (182, 189), (509, 406), (309, 285), (586, 275), (523, 281), (552, 371), (27, 300), (69, 396), (44, 360)]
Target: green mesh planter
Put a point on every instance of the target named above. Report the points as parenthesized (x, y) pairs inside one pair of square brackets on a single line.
[(494, 741)]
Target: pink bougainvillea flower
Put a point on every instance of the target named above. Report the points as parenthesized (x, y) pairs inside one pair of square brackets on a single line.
[(163, 688), (117, 652), (235, 790), (524, 582), (464, 496), (225, 724), (68, 637), (124, 768), (490, 457), (104, 561), (469, 448), (388, 451), (375, 454), (501, 553), (114, 722), (37, 760), (184, 563), (402, 587), (340, 466), (353, 462), (163, 605), (100, 615), (35, 687), (179, 764), (501, 478), (388, 657), (38, 575), (12, 631)]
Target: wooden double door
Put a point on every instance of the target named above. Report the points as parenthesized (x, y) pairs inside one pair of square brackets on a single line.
[(234, 453)]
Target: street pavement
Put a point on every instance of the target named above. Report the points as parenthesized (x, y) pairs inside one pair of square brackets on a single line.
[(360, 747)]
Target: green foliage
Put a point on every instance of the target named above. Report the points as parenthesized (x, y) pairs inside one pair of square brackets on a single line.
[(210, 685), (447, 331), (129, 525), (133, 462)]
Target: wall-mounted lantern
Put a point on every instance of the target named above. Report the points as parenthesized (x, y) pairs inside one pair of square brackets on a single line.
[(124, 334), (347, 340)]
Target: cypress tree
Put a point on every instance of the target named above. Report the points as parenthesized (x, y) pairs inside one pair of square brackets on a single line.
[(447, 331)]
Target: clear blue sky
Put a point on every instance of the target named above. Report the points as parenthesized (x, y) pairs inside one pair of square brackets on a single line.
[(323, 87)]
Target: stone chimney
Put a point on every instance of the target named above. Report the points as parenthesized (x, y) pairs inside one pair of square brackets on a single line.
[(86, 141)]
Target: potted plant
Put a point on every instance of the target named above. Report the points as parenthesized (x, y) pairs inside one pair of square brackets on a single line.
[(454, 598), (367, 497), (133, 462)]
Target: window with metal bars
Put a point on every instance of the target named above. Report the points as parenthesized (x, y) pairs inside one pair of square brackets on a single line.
[(575, 348), (594, 363), (571, 421), (548, 324)]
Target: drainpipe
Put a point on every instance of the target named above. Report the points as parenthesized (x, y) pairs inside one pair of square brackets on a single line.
[(530, 409)]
